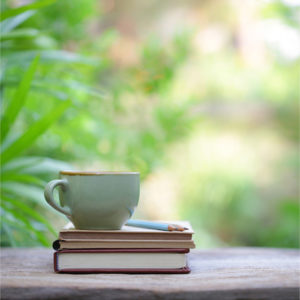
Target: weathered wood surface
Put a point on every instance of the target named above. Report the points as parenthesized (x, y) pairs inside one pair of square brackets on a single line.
[(231, 273)]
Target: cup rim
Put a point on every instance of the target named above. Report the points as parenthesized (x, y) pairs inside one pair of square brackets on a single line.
[(90, 173)]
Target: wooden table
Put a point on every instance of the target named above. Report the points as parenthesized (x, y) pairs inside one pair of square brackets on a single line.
[(230, 273)]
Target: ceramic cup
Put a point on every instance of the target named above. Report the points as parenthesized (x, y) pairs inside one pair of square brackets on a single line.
[(95, 200)]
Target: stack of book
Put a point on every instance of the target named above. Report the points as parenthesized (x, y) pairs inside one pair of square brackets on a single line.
[(129, 250)]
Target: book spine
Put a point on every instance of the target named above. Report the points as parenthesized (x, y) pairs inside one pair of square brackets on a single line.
[(55, 262)]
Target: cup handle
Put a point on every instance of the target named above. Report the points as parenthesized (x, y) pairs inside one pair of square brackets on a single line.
[(48, 193)]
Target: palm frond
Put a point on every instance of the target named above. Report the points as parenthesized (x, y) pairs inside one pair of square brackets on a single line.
[(11, 23), (37, 129), (12, 111)]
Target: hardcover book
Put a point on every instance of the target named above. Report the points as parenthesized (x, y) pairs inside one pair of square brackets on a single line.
[(171, 261), (105, 243), (126, 233)]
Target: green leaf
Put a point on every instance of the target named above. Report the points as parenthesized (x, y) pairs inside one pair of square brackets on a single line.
[(34, 165), (37, 129), (9, 234), (21, 217), (70, 84), (25, 178), (57, 88), (48, 166), (19, 190), (29, 211), (18, 100), (16, 11), (14, 225), (51, 92), (48, 56), (21, 163), (19, 33), (11, 23)]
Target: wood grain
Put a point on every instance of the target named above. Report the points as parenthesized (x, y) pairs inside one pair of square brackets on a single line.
[(230, 273)]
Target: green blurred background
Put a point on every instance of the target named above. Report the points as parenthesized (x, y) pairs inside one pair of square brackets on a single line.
[(200, 97)]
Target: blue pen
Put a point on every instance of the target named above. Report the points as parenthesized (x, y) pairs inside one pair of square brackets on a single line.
[(155, 225)]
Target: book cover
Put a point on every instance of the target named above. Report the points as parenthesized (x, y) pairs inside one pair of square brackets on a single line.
[(168, 261), (96, 244), (127, 233)]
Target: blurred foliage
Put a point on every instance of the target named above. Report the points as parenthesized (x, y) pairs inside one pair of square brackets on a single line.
[(109, 98), (19, 185), (23, 177)]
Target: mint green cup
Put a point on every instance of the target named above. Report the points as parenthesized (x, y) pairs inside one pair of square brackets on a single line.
[(95, 200)]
